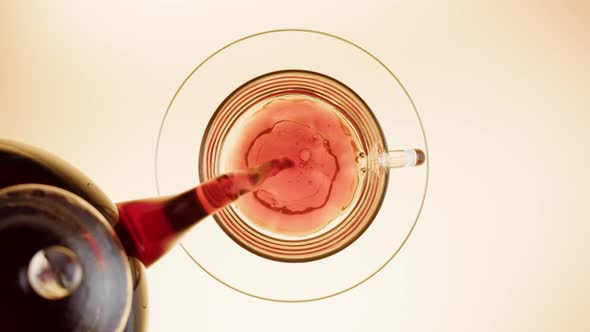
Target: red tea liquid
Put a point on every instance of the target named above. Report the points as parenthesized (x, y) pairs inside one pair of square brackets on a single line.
[(306, 197)]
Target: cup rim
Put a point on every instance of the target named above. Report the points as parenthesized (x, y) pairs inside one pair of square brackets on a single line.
[(350, 225)]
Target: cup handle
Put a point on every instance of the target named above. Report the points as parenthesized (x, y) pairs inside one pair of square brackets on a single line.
[(402, 158)]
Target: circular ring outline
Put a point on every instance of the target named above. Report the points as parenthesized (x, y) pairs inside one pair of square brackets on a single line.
[(427, 161)]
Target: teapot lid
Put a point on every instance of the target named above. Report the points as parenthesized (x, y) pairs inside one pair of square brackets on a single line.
[(62, 266)]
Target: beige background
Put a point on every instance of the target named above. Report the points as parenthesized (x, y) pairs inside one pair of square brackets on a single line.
[(502, 87)]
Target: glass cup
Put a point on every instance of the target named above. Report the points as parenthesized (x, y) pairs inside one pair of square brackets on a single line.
[(205, 120), (225, 130)]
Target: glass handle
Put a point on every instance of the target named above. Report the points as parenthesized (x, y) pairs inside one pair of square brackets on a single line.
[(403, 158)]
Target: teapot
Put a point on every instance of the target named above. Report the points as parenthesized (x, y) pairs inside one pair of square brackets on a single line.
[(72, 260)]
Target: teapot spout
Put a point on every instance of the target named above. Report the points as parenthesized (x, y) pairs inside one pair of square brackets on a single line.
[(148, 228)]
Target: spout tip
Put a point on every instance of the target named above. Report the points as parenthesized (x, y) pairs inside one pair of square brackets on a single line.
[(270, 168)]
